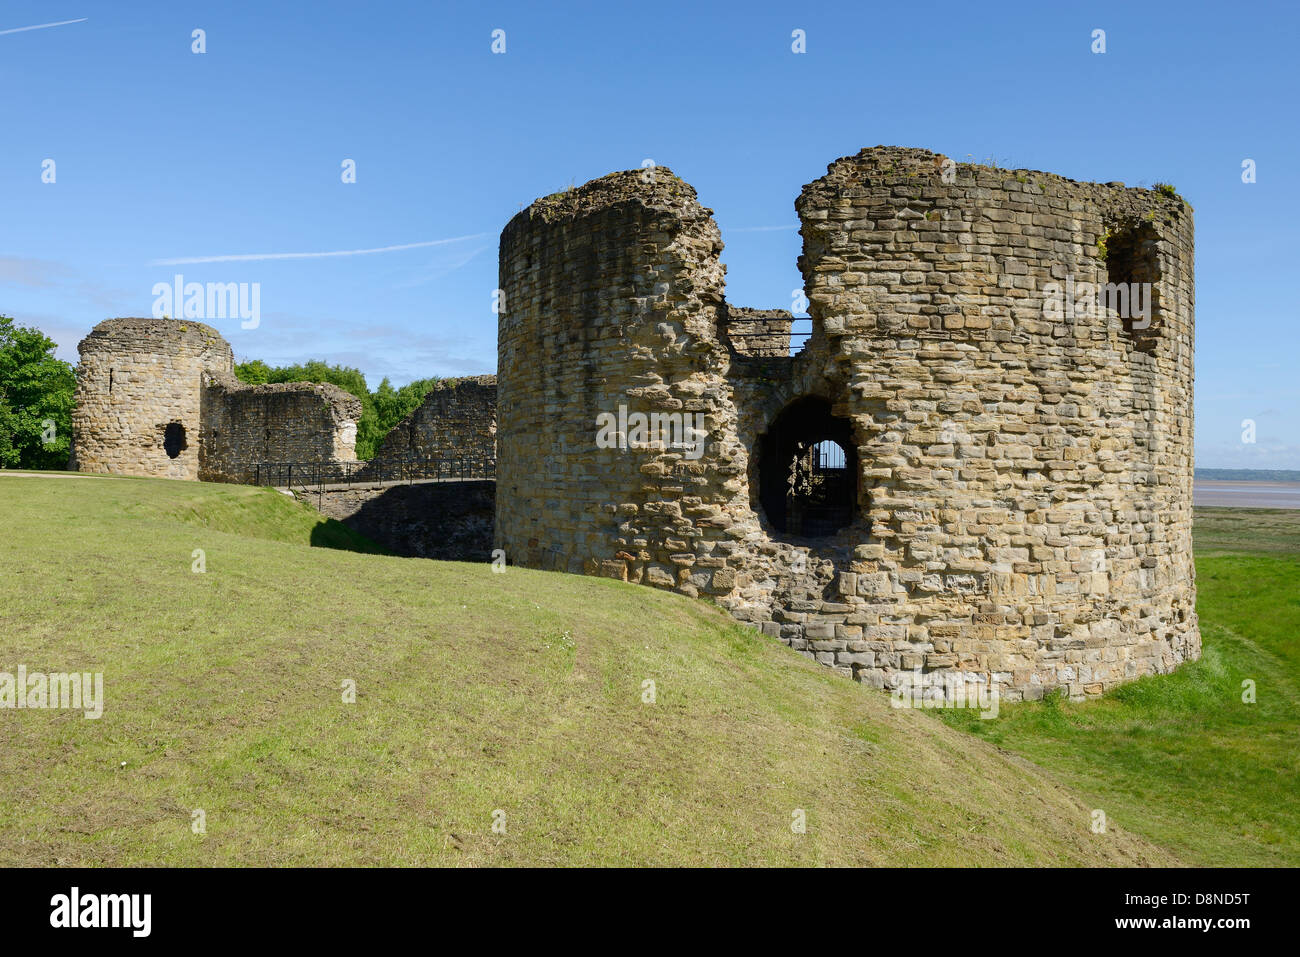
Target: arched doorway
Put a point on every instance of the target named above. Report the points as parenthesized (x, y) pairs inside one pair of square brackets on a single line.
[(808, 470)]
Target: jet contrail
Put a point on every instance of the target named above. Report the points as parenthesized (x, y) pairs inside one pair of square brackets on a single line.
[(249, 257), (42, 26)]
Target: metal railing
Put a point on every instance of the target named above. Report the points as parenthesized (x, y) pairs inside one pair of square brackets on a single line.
[(408, 469)]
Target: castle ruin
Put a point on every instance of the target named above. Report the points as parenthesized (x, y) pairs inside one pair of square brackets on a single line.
[(457, 419), (159, 397), (977, 467), (956, 475)]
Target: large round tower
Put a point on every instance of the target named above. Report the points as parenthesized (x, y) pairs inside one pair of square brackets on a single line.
[(977, 469)]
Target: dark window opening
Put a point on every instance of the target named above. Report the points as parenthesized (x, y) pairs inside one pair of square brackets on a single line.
[(110, 381), (808, 470), (173, 439), (1133, 282)]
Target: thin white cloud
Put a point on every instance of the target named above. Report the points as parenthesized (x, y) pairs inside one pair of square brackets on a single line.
[(252, 257), (438, 271), (42, 26), (47, 274)]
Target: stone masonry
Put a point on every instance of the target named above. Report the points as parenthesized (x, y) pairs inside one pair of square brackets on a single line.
[(447, 521), (136, 379), (976, 470), (968, 472), (158, 397), (457, 421), (276, 422)]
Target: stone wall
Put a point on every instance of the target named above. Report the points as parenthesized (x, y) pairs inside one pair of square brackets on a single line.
[(612, 295), (449, 521), (1018, 479), (158, 397), (457, 421), (138, 403), (758, 332), (279, 422)]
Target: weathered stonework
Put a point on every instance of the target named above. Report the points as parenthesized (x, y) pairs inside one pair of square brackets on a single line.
[(276, 422), (447, 521), (158, 397), (758, 332), (135, 378), (457, 421), (951, 479), (1018, 480)]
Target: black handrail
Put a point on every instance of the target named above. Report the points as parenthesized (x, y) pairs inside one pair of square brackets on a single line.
[(408, 469)]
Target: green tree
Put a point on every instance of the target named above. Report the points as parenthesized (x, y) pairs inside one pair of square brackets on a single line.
[(8, 454), (36, 396), (393, 405), (255, 372)]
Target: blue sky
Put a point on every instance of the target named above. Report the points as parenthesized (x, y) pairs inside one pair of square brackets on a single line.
[(162, 153)]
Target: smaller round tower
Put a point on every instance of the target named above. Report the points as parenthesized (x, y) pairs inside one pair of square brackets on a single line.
[(139, 396)]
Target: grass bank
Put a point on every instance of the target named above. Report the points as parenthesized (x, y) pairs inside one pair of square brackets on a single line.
[(518, 698), (1181, 758)]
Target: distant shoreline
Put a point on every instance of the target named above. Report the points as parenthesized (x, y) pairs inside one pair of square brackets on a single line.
[(1239, 493), (1248, 475)]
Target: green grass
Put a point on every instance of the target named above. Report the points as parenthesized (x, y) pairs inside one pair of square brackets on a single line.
[(1180, 758), (1245, 530), (476, 692)]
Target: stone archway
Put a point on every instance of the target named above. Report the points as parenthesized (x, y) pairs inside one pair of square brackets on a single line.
[(808, 470)]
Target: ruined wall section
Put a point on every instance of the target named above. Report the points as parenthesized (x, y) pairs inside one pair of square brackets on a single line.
[(135, 379), (759, 333), (448, 521), (456, 422), (1026, 477), (612, 295), (244, 425)]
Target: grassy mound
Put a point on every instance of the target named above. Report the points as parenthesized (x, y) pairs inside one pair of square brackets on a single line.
[(513, 698)]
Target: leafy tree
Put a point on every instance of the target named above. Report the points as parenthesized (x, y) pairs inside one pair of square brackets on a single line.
[(36, 396), (255, 372), (8, 454), (393, 405)]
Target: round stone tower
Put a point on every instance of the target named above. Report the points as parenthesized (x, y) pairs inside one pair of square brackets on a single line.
[(139, 396), (976, 470), (611, 300)]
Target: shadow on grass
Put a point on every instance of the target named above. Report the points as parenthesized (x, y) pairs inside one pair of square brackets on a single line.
[(331, 533)]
